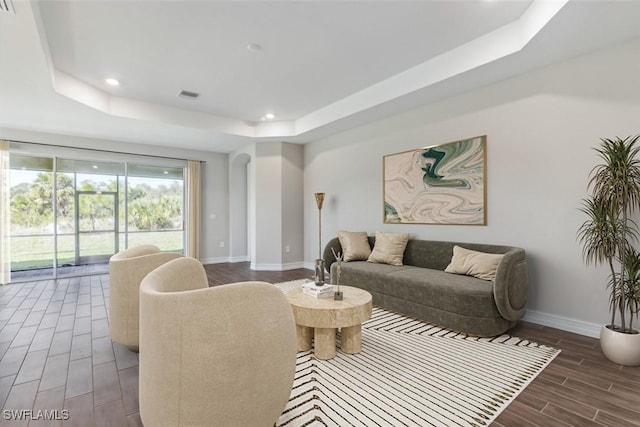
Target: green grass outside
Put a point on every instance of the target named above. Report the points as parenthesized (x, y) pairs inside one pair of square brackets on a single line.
[(31, 252)]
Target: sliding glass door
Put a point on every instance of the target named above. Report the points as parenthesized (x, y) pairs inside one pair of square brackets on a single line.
[(70, 213), (87, 211)]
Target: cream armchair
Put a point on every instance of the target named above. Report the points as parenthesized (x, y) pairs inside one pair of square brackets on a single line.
[(219, 356), (127, 268)]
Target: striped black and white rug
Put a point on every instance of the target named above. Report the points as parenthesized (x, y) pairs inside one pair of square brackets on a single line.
[(412, 373)]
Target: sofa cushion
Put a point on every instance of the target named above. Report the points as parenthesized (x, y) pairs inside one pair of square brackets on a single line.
[(473, 263), (355, 245), (449, 292), (363, 272), (389, 248)]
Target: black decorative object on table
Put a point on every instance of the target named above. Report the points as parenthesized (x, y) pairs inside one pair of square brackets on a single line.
[(337, 295)]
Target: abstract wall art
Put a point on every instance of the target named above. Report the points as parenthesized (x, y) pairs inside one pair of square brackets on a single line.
[(439, 184)]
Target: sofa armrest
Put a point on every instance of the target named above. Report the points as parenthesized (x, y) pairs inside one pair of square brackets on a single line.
[(511, 285), (327, 255)]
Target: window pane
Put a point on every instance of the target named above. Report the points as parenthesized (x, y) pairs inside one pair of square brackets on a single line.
[(66, 227), (31, 212), (95, 244), (156, 206), (31, 163), (146, 171), (66, 249), (90, 167), (167, 241), (31, 252)]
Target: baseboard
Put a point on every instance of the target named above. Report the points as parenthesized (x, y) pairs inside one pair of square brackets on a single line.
[(219, 260), (216, 260), (309, 265), (566, 324), (277, 267), (293, 265), (254, 266)]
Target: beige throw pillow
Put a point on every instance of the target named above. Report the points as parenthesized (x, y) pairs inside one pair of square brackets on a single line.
[(389, 248), (355, 245), (472, 263)]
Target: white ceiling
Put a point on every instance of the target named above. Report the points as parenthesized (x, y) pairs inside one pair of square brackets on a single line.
[(323, 66)]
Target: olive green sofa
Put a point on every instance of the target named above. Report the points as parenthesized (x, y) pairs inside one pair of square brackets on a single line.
[(420, 288)]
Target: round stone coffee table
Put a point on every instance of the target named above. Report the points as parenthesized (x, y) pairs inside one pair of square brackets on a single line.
[(321, 317)]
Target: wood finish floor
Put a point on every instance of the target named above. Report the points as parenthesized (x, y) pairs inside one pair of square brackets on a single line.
[(55, 354)]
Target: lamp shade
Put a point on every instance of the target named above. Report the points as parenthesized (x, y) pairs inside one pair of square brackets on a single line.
[(319, 200)]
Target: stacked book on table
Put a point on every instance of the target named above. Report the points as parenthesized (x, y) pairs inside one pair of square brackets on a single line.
[(323, 291)]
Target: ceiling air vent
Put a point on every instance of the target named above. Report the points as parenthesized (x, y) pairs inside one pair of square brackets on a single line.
[(6, 6), (183, 93)]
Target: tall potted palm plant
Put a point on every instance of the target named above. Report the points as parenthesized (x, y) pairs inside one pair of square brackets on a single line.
[(607, 237)]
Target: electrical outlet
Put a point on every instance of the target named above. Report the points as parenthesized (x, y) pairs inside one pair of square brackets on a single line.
[(221, 244), (287, 248)]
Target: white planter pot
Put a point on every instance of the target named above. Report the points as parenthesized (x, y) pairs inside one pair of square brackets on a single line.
[(620, 348)]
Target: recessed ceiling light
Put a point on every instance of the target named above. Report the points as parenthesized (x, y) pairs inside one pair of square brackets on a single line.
[(269, 116), (254, 47), (95, 166), (112, 82)]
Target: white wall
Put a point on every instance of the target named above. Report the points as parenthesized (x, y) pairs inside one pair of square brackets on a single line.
[(541, 128), (274, 191), (215, 195), (268, 206), (292, 206)]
